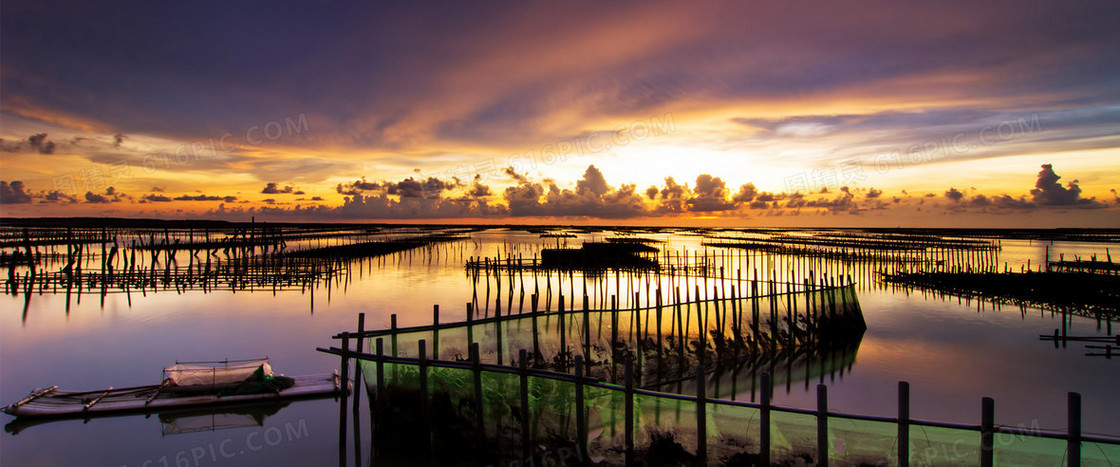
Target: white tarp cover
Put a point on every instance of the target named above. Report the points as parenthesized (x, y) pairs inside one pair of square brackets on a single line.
[(182, 374)]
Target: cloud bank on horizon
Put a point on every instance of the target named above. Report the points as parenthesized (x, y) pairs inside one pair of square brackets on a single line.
[(594, 199), (515, 110)]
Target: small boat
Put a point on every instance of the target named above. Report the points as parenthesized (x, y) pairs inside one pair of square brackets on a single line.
[(180, 420), (185, 385)]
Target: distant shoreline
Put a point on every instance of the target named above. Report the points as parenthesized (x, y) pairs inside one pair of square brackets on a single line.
[(125, 222)]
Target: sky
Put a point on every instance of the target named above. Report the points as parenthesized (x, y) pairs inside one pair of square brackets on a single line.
[(752, 113)]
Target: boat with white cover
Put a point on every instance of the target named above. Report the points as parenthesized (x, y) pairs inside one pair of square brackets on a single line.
[(185, 385)]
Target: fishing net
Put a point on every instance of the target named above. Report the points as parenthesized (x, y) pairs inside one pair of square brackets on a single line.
[(666, 343), (480, 411)]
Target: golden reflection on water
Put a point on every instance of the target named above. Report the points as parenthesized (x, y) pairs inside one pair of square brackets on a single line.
[(951, 354)]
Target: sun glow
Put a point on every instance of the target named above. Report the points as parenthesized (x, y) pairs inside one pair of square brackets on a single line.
[(649, 163)]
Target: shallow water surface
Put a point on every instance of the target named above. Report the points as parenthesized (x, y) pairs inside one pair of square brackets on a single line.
[(951, 352)]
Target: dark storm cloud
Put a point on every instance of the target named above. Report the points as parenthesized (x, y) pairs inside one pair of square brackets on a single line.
[(13, 193), (381, 205), (592, 182), (273, 188), (55, 196), (154, 198), (1048, 192), (17, 193), (710, 195), (40, 144), (1009, 202), (478, 190), (357, 187), (746, 193), (766, 197), (111, 195), (431, 187), (845, 202), (672, 198), (593, 197), (410, 187), (796, 200), (515, 176), (227, 199)]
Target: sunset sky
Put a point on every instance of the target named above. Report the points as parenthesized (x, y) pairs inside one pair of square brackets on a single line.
[(990, 114)]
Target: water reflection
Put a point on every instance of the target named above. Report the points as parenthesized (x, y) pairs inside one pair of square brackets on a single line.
[(953, 350), (176, 421)]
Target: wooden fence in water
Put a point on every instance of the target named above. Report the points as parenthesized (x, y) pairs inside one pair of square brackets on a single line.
[(494, 409), (623, 424)]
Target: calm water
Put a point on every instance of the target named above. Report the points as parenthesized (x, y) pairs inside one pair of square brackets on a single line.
[(951, 353)]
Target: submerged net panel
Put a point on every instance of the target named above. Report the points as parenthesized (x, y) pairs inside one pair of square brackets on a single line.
[(665, 427), (452, 410), (861, 442), (552, 409), (1099, 454), (793, 436), (944, 446), (1018, 449), (605, 423), (182, 374), (501, 409), (369, 373), (733, 434)]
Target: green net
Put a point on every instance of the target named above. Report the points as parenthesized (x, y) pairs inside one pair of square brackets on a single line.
[(743, 337), (552, 404), (501, 410), (1021, 449), (733, 434), (491, 423), (861, 442), (944, 446), (606, 423), (1100, 454), (793, 437), (667, 429)]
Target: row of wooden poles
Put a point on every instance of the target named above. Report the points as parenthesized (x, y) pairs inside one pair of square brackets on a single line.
[(234, 242), (182, 238), (987, 427), (929, 285), (1077, 264), (884, 242), (677, 267), (125, 271), (237, 274), (819, 315)]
